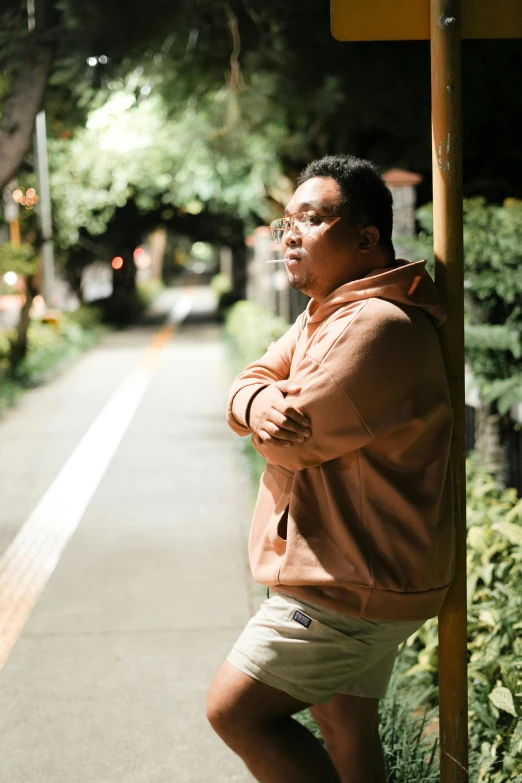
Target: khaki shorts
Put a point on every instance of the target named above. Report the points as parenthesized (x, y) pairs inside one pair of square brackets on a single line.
[(312, 653)]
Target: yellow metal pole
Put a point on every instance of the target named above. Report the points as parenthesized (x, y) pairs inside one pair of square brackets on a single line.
[(14, 232), (445, 23)]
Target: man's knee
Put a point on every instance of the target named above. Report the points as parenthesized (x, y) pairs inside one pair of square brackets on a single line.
[(221, 707), (237, 704), (230, 710)]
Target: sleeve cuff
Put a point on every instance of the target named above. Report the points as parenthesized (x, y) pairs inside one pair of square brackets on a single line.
[(239, 407)]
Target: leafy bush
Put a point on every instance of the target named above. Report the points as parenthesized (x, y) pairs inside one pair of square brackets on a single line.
[(249, 329), (49, 347), (21, 259), (494, 631), (493, 292), (252, 328), (221, 284), (226, 296)]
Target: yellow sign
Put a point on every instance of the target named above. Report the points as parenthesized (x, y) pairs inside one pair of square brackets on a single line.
[(409, 20)]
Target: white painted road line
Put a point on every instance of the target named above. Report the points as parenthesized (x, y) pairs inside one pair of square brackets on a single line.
[(29, 561)]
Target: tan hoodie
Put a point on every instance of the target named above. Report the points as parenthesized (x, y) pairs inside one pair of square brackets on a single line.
[(359, 517)]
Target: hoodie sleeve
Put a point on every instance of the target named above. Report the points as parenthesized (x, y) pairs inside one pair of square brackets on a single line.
[(272, 367), (337, 428)]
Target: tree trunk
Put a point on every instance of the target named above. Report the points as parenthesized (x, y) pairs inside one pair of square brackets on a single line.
[(23, 103), (489, 444), (19, 344), (124, 279)]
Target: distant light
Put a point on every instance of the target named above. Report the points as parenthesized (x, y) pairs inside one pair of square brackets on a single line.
[(193, 207), (92, 61), (18, 196), (30, 193), (199, 267), (142, 258), (117, 262), (103, 59), (146, 89), (11, 278)]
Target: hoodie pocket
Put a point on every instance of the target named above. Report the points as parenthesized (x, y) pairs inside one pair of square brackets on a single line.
[(271, 512), (277, 532)]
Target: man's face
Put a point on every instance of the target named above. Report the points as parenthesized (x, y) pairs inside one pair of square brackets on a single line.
[(326, 257)]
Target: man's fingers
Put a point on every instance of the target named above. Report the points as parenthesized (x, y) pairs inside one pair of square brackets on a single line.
[(286, 422), (288, 387), (291, 413), (280, 433), (266, 438)]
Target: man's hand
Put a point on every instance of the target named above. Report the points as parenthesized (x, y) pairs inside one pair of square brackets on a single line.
[(274, 419)]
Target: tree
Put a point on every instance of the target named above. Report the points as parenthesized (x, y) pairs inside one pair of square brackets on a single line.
[(25, 81), (130, 150), (50, 63), (371, 99)]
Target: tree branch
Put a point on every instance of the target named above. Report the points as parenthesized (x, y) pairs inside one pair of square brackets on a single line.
[(235, 77)]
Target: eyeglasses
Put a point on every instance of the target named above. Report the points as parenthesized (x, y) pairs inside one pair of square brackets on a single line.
[(299, 224)]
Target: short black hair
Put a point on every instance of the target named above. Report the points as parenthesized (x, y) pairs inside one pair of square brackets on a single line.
[(364, 191)]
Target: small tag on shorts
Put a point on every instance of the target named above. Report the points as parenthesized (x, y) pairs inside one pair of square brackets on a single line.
[(302, 619)]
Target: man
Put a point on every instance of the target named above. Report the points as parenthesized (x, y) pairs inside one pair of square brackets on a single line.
[(352, 531)]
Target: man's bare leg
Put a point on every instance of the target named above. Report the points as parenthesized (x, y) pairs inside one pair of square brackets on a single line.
[(350, 728), (255, 721)]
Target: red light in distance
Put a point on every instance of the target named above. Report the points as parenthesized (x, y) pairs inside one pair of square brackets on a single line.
[(117, 262)]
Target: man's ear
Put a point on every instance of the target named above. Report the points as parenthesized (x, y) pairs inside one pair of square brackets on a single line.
[(369, 238)]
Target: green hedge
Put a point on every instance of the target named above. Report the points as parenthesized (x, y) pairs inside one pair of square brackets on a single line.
[(50, 346), (251, 329), (494, 632)]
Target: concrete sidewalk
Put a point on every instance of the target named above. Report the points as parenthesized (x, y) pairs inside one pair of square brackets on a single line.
[(107, 682)]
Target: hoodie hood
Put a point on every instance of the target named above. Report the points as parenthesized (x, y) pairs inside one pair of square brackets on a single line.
[(404, 283)]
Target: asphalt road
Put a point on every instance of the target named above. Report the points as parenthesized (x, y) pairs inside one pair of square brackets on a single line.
[(124, 511)]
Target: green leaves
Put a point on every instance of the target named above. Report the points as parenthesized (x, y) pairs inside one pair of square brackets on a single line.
[(132, 149), (512, 532), (502, 698), (504, 392), (496, 338), (494, 568), (22, 260), (253, 329), (493, 293)]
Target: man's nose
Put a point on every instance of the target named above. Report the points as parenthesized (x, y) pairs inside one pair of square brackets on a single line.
[(289, 238)]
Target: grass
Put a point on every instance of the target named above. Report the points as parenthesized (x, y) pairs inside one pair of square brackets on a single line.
[(408, 733)]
